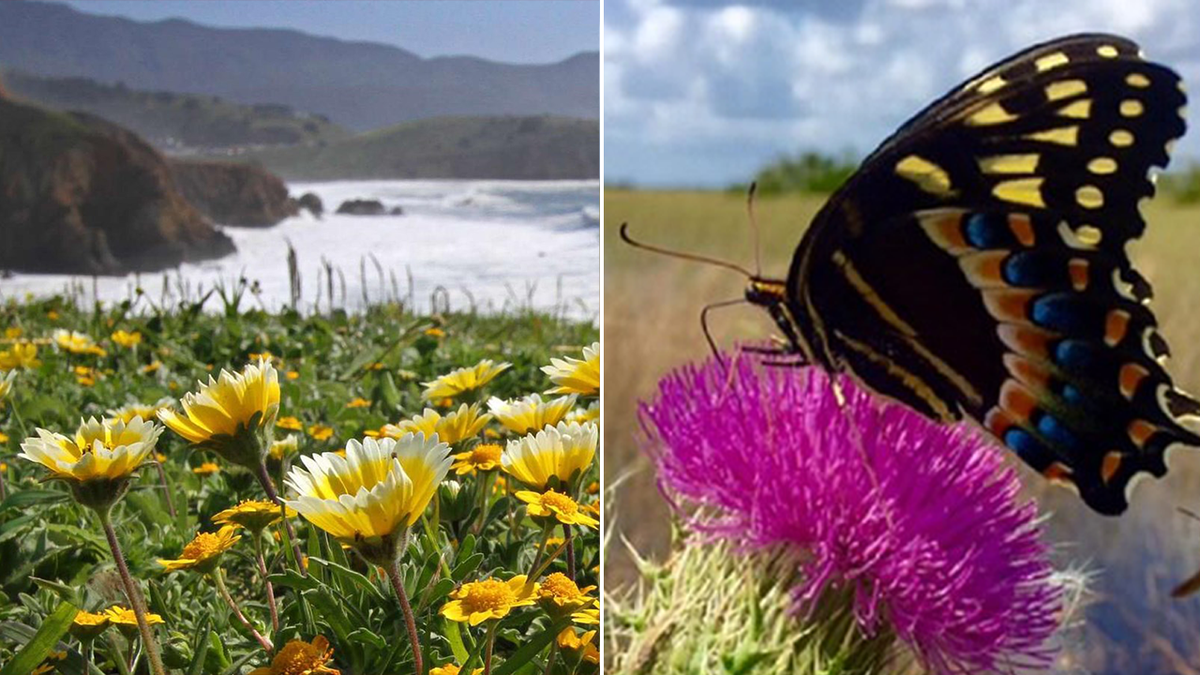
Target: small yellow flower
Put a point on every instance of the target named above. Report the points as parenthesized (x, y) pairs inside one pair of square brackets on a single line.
[(320, 432), (369, 497), (531, 413), (359, 403), (86, 625), (203, 553), (298, 657), (146, 412), (574, 376), (374, 366), (6, 386), (461, 380), (580, 646), (451, 669), (556, 505), (435, 332), (127, 340), (290, 423), (553, 453), (50, 663), (593, 487), (20, 355), (454, 427), (76, 342), (479, 601), (13, 333), (85, 376), (483, 457), (151, 367), (225, 413), (108, 450), (52, 315), (207, 469), (252, 514), (284, 447), (587, 617), (293, 375), (3, 466), (124, 617), (560, 596)]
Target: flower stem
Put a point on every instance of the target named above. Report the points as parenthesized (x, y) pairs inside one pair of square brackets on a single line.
[(491, 641), (166, 487), (264, 478), (2, 493), (262, 570), (537, 560), (219, 577), (134, 594), (410, 621), (550, 659), (570, 551)]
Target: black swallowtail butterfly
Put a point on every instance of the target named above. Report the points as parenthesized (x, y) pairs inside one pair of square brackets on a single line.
[(975, 266)]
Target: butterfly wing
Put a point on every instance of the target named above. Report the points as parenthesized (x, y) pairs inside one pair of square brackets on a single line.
[(975, 265)]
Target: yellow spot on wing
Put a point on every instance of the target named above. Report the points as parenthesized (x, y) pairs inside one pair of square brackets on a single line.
[(1131, 108), (1021, 191), (1121, 138), (1051, 61), (1137, 80), (1102, 165), (991, 114), (1009, 163), (991, 84), (1089, 197), (1089, 235), (1065, 89), (928, 176), (1062, 136), (1080, 109), (1107, 51)]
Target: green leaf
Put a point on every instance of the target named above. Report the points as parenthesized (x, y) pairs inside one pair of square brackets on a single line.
[(25, 498), (36, 650), (356, 579), (151, 507), (466, 567), (530, 649), (199, 650), (454, 637), (63, 591)]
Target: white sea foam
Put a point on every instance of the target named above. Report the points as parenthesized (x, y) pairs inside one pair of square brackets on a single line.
[(503, 243)]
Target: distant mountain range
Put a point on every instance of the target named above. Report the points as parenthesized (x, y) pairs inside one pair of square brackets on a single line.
[(358, 85)]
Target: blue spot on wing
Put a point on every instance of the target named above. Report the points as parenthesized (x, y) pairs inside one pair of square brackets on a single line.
[(1055, 432), (988, 231), (1072, 395), (1075, 355), (1061, 312), (1027, 268)]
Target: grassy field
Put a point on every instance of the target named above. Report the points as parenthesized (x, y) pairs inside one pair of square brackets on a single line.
[(651, 325), (342, 376)]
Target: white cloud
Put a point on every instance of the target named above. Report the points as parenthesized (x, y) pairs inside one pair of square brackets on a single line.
[(698, 93)]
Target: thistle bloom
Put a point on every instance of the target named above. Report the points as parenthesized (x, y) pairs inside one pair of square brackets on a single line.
[(76, 342), (373, 495), (552, 453), (551, 505), (203, 552), (483, 457), (462, 380), (301, 658), (531, 413), (919, 522), (478, 601), (451, 428), (225, 414), (574, 376), (252, 514)]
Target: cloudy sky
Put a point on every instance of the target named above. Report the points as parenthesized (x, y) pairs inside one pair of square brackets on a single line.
[(703, 93)]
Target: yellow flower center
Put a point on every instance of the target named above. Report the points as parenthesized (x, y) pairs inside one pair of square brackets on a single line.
[(562, 503), (558, 585), (488, 452), (298, 658), (205, 545), (485, 596)]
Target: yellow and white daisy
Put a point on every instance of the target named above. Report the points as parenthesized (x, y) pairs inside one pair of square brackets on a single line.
[(146, 412), (76, 342), (284, 447), (453, 427), (99, 450), (223, 413), (479, 601), (203, 552), (462, 380), (554, 452), (574, 376), (531, 413), (371, 497), (583, 415)]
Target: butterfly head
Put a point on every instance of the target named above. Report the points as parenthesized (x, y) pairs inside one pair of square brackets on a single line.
[(766, 293)]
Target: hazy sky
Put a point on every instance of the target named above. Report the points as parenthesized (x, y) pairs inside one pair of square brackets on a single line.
[(514, 31), (702, 93)]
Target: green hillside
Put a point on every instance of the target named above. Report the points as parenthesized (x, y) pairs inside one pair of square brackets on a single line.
[(176, 121), (509, 147)]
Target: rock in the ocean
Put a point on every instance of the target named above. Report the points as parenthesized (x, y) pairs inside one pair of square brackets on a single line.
[(396, 211), (80, 195), (234, 194), (312, 203), (362, 207)]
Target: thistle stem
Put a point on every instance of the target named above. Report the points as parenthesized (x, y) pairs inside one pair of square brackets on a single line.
[(265, 479), (166, 488), (410, 621), (134, 594), (570, 551), (262, 570), (219, 578)]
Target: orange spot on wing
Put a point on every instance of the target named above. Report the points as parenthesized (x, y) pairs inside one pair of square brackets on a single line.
[(1058, 472), (1029, 373), (1008, 305), (1026, 340), (1115, 325), (946, 231), (1078, 268), (1017, 401), (1022, 228), (997, 421), (983, 269), (1141, 431), (1130, 377), (1109, 466)]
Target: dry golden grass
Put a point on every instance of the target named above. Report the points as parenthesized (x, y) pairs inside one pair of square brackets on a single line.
[(651, 325)]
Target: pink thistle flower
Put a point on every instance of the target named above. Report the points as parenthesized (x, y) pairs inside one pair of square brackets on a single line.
[(919, 521)]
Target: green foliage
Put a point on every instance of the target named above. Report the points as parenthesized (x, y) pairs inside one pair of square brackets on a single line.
[(1183, 185), (52, 550), (805, 172)]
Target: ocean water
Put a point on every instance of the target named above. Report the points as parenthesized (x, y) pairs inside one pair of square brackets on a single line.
[(489, 245)]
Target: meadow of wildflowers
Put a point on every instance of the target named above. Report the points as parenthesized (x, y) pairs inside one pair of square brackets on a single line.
[(283, 493)]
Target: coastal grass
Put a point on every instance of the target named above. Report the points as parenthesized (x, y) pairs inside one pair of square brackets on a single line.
[(342, 374), (651, 325)]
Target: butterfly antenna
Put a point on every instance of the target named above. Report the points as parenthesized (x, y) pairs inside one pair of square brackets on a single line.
[(712, 344), (754, 232), (678, 254)]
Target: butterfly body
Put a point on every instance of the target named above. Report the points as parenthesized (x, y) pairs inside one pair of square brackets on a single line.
[(975, 266)]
